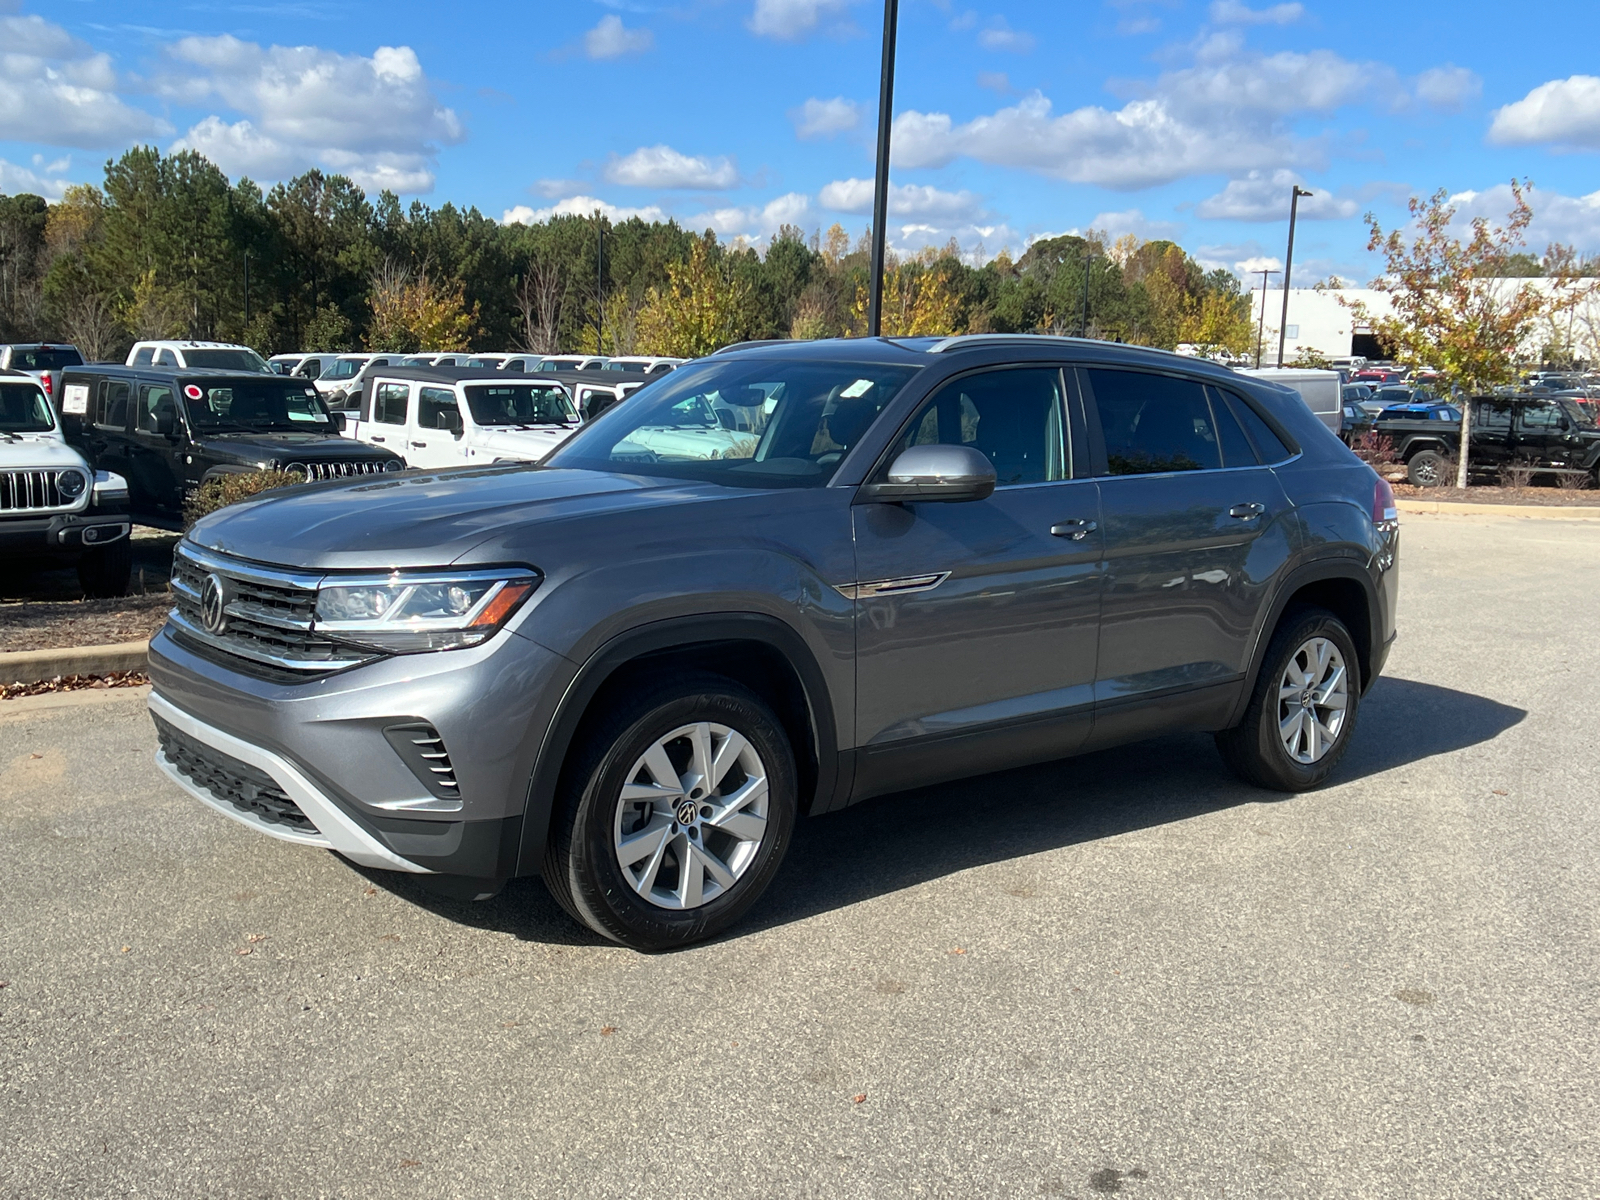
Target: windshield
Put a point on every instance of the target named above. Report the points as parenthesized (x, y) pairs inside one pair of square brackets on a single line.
[(1577, 413), (241, 359), (44, 358), (268, 405), (23, 409), (344, 368), (520, 404), (744, 424)]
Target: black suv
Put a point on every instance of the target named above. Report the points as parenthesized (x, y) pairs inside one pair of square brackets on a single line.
[(892, 562), (168, 430)]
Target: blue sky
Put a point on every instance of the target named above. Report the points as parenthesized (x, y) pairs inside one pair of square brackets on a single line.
[(1155, 117)]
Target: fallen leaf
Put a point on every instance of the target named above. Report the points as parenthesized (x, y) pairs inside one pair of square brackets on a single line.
[(7, 983), (370, 892), (859, 1098), (1499, 791), (508, 1024), (410, 1162), (607, 1030), (256, 937), (35, 756), (958, 950), (243, 950), (125, 949)]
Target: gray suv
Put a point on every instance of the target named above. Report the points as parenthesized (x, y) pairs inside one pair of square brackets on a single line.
[(771, 584)]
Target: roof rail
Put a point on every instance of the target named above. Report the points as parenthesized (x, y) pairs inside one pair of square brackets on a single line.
[(747, 345), (962, 340)]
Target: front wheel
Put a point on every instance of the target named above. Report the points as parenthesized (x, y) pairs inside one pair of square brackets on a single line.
[(104, 571), (675, 814), (1303, 709)]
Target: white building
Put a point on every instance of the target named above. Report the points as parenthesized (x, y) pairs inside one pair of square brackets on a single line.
[(1319, 321)]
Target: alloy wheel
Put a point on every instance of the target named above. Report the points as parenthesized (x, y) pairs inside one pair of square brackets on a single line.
[(691, 816), (1313, 698)]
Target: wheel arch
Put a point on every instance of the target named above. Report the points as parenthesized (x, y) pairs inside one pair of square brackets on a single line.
[(1345, 589), (755, 649)]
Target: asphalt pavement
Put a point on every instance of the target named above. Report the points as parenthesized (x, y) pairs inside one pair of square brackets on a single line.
[(1123, 974)]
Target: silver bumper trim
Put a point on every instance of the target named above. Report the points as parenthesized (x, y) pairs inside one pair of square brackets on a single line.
[(335, 830)]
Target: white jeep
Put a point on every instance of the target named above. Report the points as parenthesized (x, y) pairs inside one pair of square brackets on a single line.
[(53, 506)]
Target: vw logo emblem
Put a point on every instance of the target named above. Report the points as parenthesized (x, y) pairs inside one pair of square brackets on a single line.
[(213, 604), (685, 813)]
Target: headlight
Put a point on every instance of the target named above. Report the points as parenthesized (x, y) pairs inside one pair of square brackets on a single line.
[(71, 484), (298, 468), (410, 612), (394, 464)]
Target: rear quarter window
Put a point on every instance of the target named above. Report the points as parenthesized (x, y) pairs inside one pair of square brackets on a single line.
[(1269, 446)]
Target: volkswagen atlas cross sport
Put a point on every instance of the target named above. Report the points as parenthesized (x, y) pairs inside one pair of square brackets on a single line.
[(632, 667)]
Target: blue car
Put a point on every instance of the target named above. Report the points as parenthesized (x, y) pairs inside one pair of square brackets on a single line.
[(1421, 412)]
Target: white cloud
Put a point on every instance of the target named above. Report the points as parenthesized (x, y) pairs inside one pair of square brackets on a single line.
[(752, 225), (1264, 196), (1135, 222), (1233, 111), (612, 39), (375, 119), (825, 118), (1448, 87), (1000, 36), (1257, 264), (15, 179), (58, 91), (579, 206), (995, 81), (905, 200), (1563, 112), (1134, 26), (664, 167), (1231, 12), (1572, 220), (788, 20)]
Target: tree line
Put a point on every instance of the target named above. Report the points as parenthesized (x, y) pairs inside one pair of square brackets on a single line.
[(168, 246)]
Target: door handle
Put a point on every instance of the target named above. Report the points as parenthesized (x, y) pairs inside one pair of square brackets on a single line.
[(419, 445), (1077, 529), (1246, 512), (378, 439)]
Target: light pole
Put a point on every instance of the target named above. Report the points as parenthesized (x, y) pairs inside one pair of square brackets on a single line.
[(599, 282), (880, 192), (1261, 325), (1088, 257), (1288, 265)]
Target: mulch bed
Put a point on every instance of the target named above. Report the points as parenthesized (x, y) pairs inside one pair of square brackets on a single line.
[(1558, 497), (74, 683), (62, 624)]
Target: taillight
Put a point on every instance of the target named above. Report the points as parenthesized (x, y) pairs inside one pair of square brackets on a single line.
[(1383, 508), (49, 385)]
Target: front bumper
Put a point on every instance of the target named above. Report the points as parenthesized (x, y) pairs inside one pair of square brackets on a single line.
[(62, 532), (327, 743)]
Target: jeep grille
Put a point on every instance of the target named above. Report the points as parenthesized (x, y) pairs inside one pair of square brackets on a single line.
[(30, 491)]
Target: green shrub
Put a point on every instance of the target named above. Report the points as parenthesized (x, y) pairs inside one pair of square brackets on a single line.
[(223, 490)]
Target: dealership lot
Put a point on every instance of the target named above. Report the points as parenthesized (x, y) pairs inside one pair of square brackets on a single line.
[(1125, 974)]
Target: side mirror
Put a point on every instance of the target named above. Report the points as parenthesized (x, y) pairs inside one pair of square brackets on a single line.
[(337, 418), (452, 422), (943, 473), (166, 424)]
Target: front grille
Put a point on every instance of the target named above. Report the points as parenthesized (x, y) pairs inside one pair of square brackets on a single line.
[(316, 471), (268, 614), (30, 491), (225, 777)]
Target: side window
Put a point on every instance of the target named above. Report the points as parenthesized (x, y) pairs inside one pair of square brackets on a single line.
[(1540, 418), (165, 358), (143, 357), (155, 401), (436, 409), (311, 368), (111, 411), (1015, 417), (1491, 418), (389, 408), (1154, 423), (1269, 446)]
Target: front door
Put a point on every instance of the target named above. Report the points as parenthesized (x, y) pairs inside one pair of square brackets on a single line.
[(434, 437), (976, 621), (1196, 528), (155, 452), (105, 428), (1544, 435), (390, 403), (1492, 445)]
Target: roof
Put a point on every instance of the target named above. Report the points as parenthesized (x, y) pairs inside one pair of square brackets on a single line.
[(467, 374), (165, 372)]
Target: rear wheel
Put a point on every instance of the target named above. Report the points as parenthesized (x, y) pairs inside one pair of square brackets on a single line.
[(1303, 709), (1427, 468), (104, 570), (675, 814)]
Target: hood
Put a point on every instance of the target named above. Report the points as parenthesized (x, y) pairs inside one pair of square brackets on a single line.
[(535, 441), (419, 519), (38, 452), (286, 447)]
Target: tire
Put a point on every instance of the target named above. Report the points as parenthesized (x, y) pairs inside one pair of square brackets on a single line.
[(683, 844), (1256, 750), (1426, 469), (104, 570)]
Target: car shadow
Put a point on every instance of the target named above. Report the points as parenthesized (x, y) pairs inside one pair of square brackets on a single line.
[(895, 842)]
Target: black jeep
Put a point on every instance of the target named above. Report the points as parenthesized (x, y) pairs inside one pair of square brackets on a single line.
[(168, 430)]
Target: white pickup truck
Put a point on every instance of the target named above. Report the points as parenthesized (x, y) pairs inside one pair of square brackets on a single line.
[(43, 362), (456, 416)]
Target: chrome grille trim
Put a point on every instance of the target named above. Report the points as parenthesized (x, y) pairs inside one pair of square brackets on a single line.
[(34, 491), (344, 469)]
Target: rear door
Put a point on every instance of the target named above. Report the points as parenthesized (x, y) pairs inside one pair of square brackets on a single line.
[(1492, 441), (1196, 528), (106, 429), (1541, 434)]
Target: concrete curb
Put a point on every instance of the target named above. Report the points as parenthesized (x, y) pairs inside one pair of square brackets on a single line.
[(1560, 512), (35, 666)]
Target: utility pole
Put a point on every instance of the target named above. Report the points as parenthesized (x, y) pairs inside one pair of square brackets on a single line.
[(1261, 325), (880, 193), (599, 282), (1288, 265)]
